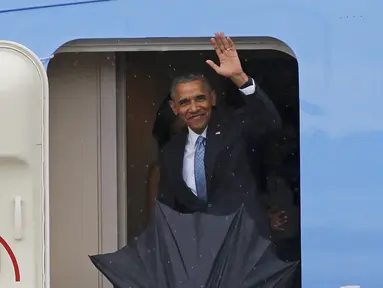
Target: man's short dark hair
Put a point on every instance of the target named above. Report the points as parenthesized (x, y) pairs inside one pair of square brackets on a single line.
[(188, 78)]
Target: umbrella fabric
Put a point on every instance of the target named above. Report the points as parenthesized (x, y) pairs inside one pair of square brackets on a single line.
[(196, 250)]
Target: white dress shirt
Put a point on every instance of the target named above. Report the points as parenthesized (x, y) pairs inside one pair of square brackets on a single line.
[(188, 164)]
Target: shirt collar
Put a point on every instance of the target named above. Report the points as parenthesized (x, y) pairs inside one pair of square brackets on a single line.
[(194, 136)]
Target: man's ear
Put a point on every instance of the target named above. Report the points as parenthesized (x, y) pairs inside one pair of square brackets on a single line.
[(172, 105), (213, 96)]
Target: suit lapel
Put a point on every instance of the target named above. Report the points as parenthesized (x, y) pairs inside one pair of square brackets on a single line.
[(178, 154), (214, 142)]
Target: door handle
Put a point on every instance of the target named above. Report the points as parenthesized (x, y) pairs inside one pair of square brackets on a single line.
[(18, 219)]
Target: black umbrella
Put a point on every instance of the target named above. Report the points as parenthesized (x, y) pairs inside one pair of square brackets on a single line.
[(196, 251)]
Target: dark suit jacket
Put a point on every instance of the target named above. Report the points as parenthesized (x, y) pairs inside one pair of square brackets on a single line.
[(230, 179)]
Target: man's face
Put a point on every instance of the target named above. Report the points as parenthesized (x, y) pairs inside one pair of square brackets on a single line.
[(193, 104)]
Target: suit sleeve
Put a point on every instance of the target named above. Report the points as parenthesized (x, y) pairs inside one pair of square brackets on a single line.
[(259, 116)]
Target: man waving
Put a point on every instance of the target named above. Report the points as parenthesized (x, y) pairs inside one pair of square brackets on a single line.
[(206, 167)]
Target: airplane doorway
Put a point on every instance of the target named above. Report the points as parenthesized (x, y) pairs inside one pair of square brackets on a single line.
[(102, 108)]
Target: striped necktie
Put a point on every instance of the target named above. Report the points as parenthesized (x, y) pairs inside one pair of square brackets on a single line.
[(199, 168)]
